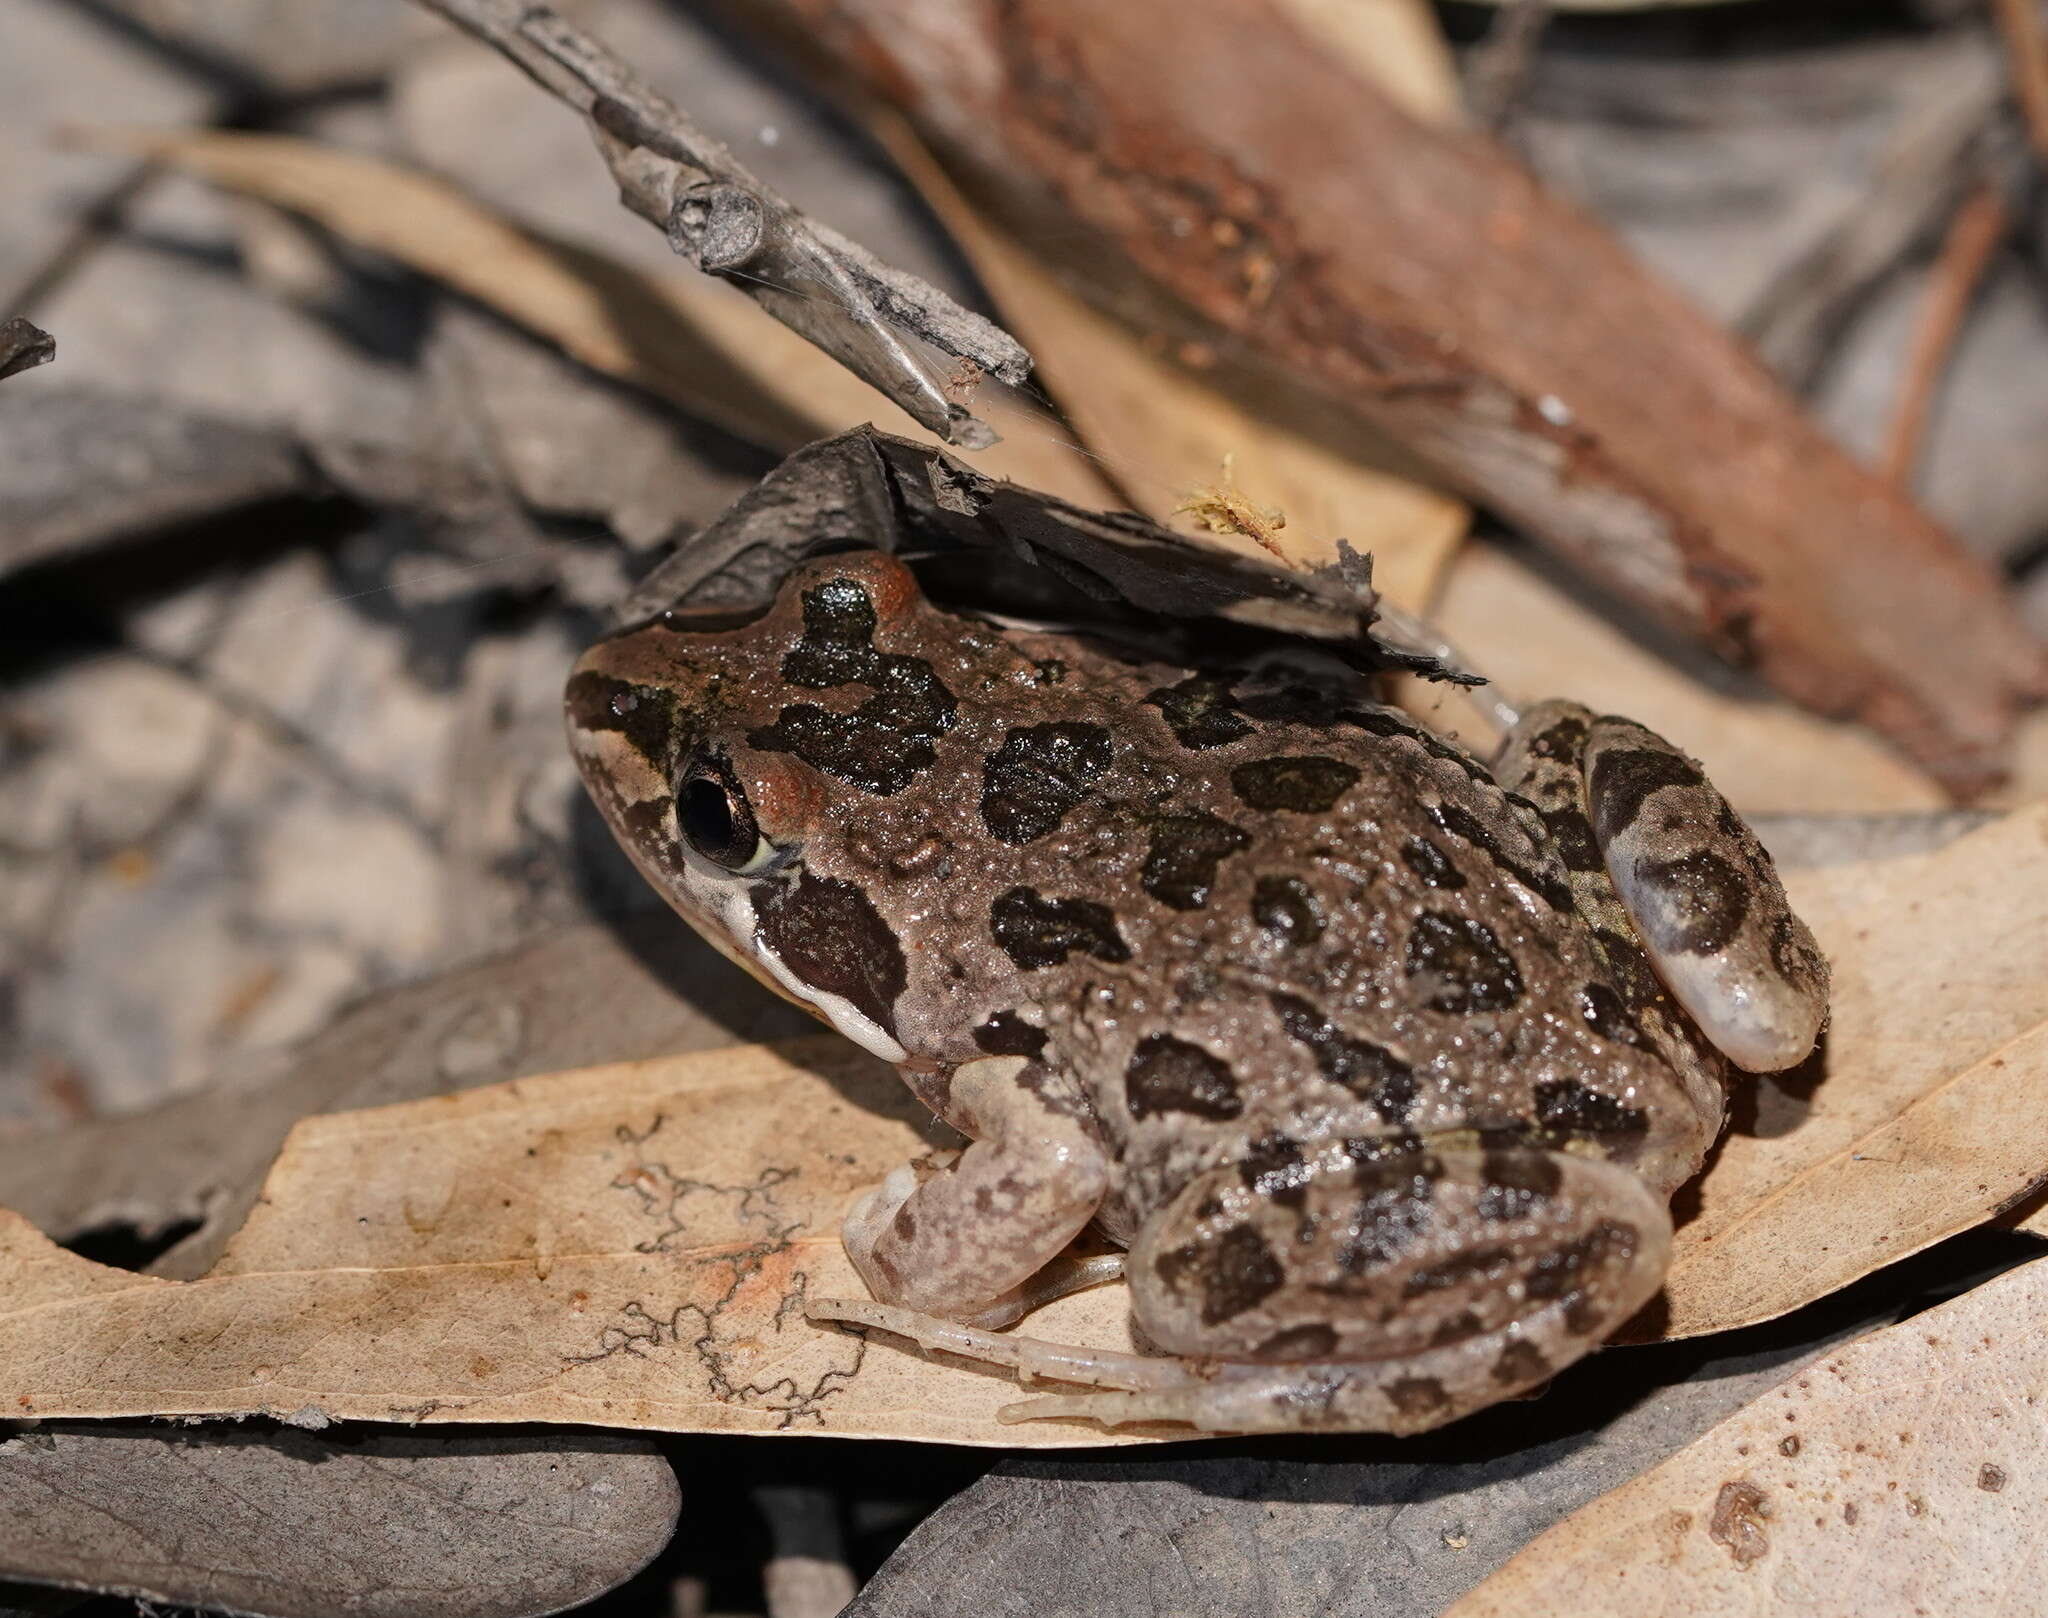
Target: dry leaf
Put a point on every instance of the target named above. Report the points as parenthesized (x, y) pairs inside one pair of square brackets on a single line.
[(1163, 432), (1396, 43), (629, 1246), (623, 1247), (1901, 1474), (1766, 755), (681, 336), (1932, 1113)]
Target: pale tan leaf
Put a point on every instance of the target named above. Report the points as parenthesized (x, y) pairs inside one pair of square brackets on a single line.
[(1766, 755), (681, 336), (1164, 433), (1931, 1111), (1397, 43), (1901, 1474), (624, 1247)]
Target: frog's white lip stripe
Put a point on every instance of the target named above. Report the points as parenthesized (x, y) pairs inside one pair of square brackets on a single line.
[(731, 902)]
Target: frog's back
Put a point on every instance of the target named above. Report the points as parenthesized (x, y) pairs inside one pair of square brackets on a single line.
[(1246, 920)]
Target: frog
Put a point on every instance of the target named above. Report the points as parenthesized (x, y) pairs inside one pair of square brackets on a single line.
[(1372, 1066)]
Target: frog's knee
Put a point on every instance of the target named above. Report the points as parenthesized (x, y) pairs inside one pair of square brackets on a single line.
[(1704, 898), (1504, 1264)]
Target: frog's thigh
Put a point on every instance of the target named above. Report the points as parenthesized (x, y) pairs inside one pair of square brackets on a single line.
[(1699, 889), (962, 1243)]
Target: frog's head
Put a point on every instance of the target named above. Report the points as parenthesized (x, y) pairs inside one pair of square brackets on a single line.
[(707, 749)]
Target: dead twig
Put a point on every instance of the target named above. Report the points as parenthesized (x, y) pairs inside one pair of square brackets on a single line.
[(1974, 234), (2020, 22), (829, 290), (24, 346)]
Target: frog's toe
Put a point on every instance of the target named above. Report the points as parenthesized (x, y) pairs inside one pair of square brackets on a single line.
[(1028, 1358)]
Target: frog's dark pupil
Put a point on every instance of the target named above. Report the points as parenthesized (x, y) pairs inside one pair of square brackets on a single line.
[(716, 823)]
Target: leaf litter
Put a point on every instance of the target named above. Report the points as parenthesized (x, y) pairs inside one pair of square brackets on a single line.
[(631, 1246)]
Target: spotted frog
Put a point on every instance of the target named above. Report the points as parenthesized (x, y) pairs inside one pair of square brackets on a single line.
[(1381, 1066)]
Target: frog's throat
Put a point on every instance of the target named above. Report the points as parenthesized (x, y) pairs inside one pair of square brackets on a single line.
[(731, 903)]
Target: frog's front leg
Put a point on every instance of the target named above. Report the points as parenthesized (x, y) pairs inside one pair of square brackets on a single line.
[(964, 1242)]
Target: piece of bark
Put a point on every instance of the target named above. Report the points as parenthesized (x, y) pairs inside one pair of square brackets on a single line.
[(386, 1525), (1421, 278), (829, 290)]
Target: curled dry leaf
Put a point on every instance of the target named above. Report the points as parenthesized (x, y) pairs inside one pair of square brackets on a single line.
[(631, 1246), (1900, 1474), (1165, 434), (1931, 1108), (700, 346)]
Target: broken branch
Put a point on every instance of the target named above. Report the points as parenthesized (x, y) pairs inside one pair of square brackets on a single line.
[(715, 213)]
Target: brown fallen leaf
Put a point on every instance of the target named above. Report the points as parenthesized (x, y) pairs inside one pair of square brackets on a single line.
[(1931, 1112), (630, 1246), (1901, 1474), (627, 1246), (1768, 756), (700, 346), (1163, 432)]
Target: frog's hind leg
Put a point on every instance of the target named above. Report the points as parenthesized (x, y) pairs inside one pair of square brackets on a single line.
[(1389, 1295)]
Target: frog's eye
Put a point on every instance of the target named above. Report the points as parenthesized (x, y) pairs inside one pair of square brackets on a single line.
[(717, 821)]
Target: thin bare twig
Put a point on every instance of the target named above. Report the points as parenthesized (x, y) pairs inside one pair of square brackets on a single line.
[(1973, 235), (23, 346), (1501, 64), (827, 289), (2020, 22)]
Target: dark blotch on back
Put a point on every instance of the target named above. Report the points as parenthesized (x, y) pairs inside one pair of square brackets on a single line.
[(885, 743), (1623, 778), (1286, 909), (1367, 1070), (1568, 1107), (646, 717), (1418, 1395), (1431, 863), (828, 934), (1305, 784), (1515, 1182), (1007, 1034), (1171, 1075), (1037, 775), (1520, 1363), (1311, 1342), (1608, 1017), (1563, 1269), (1201, 712), (1707, 899), (1186, 850), (1272, 1167), (1231, 1272), (1546, 885), (1035, 931), (1462, 962)]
